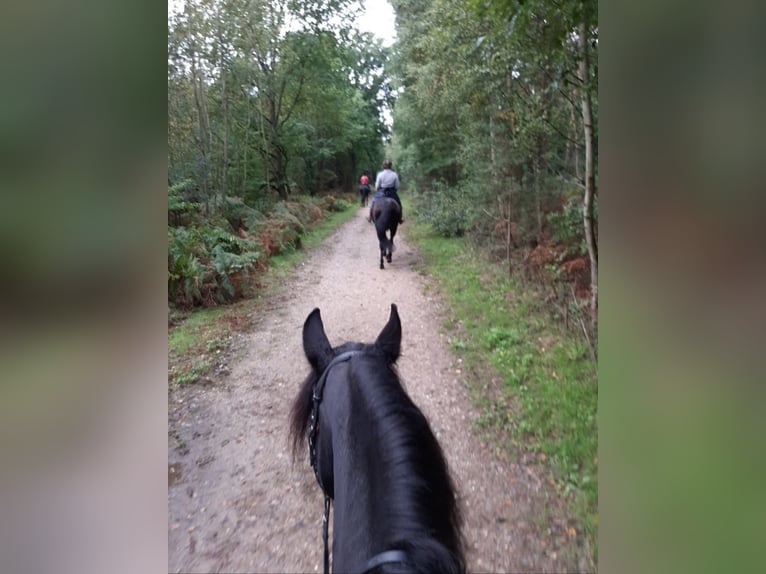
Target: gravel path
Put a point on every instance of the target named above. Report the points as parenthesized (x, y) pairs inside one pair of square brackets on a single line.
[(237, 503)]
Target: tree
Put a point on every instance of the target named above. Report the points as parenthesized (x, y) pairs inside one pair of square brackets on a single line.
[(263, 96), (498, 102)]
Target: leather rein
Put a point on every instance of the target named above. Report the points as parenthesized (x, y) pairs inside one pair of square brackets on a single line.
[(385, 557)]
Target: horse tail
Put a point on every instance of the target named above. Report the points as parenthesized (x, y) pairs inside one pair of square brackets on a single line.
[(380, 229)]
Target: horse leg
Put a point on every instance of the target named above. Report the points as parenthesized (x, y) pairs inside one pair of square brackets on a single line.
[(382, 247)]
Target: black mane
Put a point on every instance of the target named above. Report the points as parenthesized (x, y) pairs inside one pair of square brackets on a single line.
[(423, 504)]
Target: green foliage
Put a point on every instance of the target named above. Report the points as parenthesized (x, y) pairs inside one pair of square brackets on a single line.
[(207, 265), (491, 104), (179, 209), (547, 398), (260, 113), (176, 202), (200, 340), (338, 204), (239, 215), (446, 208), (567, 228)]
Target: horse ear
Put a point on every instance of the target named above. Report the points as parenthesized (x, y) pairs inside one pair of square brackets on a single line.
[(315, 343), (390, 338)]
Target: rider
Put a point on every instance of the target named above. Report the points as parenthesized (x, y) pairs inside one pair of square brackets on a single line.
[(387, 185), (364, 186)]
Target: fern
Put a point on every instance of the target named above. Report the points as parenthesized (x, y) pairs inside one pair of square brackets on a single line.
[(176, 202), (206, 256)]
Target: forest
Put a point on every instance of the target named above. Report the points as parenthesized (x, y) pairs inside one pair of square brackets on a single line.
[(273, 105), (489, 112)]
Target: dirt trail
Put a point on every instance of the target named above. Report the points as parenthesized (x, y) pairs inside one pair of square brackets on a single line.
[(236, 503)]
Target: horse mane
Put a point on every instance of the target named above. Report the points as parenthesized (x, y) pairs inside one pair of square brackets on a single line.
[(423, 507), (299, 414)]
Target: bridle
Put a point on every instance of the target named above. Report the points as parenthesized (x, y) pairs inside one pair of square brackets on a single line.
[(388, 556)]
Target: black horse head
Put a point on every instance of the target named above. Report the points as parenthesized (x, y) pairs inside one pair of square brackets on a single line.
[(376, 457)]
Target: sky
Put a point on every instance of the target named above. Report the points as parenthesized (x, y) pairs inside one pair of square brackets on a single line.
[(378, 18)]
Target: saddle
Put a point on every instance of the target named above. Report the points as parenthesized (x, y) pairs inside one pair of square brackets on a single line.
[(379, 204)]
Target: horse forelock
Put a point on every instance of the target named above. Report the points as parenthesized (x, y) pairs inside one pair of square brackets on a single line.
[(301, 408), (299, 413)]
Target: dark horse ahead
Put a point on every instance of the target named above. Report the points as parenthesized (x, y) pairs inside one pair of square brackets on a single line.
[(374, 454), (364, 195), (386, 215)]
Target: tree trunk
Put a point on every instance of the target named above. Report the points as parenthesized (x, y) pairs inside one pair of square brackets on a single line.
[(225, 102), (573, 154), (538, 200), (244, 154), (200, 100), (492, 151), (590, 179)]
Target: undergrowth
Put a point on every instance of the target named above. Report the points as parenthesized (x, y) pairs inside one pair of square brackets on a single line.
[(220, 257), (200, 339)]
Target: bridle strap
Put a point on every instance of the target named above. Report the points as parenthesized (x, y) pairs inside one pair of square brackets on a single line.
[(386, 557), (325, 529), (316, 398)]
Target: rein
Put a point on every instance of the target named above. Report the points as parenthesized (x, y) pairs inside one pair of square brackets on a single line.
[(386, 557)]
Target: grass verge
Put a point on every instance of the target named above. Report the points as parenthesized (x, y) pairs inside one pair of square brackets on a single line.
[(281, 264), (535, 384)]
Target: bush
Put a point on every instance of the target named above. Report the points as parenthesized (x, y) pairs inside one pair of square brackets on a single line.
[(566, 228), (180, 209), (336, 204), (239, 215), (446, 209), (282, 230), (208, 266)]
